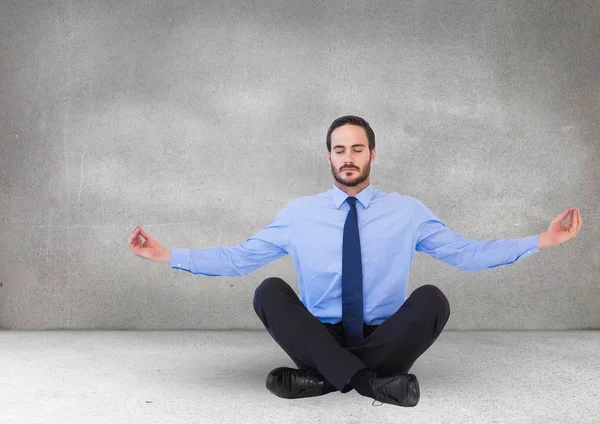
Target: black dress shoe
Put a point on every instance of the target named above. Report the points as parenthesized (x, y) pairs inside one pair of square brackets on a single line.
[(401, 390), (291, 383)]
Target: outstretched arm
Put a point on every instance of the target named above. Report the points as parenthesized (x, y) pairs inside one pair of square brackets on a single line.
[(270, 243), (437, 240)]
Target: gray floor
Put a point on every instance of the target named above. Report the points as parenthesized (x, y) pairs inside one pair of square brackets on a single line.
[(219, 376)]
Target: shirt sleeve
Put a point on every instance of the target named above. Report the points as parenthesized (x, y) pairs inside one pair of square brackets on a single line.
[(270, 243), (440, 242)]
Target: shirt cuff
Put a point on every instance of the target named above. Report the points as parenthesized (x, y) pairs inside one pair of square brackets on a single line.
[(529, 245), (180, 259)]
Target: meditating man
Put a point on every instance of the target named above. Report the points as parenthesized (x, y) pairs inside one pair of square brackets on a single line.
[(353, 326)]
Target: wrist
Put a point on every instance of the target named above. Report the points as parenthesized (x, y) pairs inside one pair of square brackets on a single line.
[(166, 255), (543, 241)]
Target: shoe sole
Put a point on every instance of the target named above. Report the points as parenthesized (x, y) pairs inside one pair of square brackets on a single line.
[(404, 390), (412, 391)]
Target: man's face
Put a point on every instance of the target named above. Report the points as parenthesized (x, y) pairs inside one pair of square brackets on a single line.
[(350, 158)]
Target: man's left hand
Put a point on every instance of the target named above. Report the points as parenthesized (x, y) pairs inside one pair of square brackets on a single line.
[(557, 233)]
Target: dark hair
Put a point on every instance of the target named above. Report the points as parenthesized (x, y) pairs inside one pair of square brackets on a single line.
[(352, 120)]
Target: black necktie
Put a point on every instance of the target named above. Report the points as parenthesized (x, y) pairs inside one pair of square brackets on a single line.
[(352, 293)]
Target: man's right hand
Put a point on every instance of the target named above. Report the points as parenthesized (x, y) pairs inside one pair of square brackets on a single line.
[(149, 248)]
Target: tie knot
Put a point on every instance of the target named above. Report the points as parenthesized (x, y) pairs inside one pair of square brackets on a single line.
[(351, 200)]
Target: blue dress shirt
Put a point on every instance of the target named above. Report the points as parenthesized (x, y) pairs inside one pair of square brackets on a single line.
[(392, 227)]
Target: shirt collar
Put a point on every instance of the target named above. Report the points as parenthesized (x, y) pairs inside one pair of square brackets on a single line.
[(364, 197)]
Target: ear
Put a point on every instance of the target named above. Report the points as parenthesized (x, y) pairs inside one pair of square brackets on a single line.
[(373, 154), (329, 157)]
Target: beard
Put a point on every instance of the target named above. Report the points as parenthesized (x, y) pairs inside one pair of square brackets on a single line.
[(353, 179)]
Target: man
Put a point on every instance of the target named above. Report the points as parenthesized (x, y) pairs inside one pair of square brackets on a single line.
[(354, 327)]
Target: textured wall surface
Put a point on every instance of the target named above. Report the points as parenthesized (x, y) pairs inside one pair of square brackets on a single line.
[(200, 120)]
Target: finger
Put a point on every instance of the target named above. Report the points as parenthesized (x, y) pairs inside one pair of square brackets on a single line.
[(132, 238), (134, 243), (135, 231), (561, 216), (144, 234), (571, 216), (578, 221)]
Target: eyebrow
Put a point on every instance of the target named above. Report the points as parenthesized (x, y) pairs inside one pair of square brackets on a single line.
[(354, 145)]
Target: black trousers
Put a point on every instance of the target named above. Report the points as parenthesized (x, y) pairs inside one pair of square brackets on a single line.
[(389, 348)]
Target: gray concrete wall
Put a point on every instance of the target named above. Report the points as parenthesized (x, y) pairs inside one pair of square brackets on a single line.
[(200, 120)]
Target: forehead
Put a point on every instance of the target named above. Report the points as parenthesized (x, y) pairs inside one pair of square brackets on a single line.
[(349, 135)]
